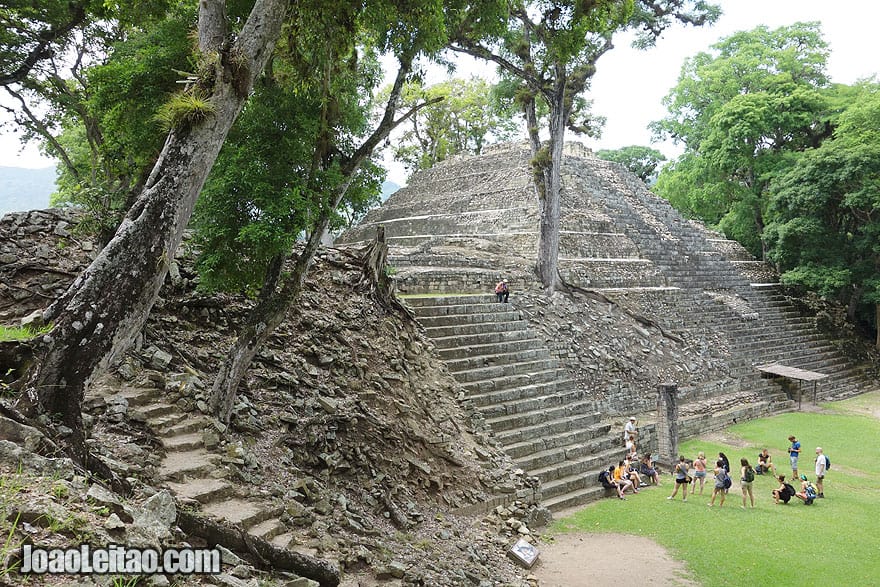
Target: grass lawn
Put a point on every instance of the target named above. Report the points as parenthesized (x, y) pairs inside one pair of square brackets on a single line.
[(8, 333), (769, 545)]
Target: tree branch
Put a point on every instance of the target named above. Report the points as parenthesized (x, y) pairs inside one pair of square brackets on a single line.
[(42, 49), (41, 129)]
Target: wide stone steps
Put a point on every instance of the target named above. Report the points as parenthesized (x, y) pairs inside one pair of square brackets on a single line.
[(509, 381), (490, 349), (550, 427), (471, 318), (491, 373), (523, 393), (527, 420), (530, 404), (458, 341), (523, 449), (477, 361), (476, 328)]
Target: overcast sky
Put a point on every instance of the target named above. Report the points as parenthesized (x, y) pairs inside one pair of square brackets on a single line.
[(629, 85)]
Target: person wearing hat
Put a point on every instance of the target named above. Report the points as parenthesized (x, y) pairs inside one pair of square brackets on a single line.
[(502, 291), (629, 429)]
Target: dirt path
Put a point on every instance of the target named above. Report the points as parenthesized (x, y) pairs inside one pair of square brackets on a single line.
[(587, 560)]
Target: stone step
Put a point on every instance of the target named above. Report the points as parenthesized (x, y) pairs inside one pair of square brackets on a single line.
[(542, 460), (547, 428), (477, 328), (419, 301), (524, 392), (177, 465), (538, 444), (155, 410), (505, 358), (509, 381), (182, 442), (444, 311), (175, 424), (285, 540), (502, 315), (523, 405), (539, 415), (247, 513), (204, 490), (450, 342), (140, 396), (575, 498), (496, 348), (267, 529), (512, 369)]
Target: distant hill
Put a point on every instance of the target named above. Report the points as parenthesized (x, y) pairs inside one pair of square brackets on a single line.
[(388, 188), (25, 189)]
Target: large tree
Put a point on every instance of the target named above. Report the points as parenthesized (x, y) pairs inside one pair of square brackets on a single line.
[(467, 116), (552, 48), (340, 144), (95, 321), (642, 161), (825, 233), (741, 111)]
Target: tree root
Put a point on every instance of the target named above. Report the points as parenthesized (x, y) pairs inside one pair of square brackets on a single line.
[(594, 295), (258, 551)]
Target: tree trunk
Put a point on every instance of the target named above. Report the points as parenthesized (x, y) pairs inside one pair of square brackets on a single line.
[(877, 322), (257, 550), (266, 316), (96, 320), (270, 311), (548, 237)]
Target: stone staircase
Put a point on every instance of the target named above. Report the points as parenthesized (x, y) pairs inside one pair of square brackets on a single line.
[(461, 226), (536, 412), (196, 475)]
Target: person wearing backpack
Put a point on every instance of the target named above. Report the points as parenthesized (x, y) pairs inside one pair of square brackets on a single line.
[(784, 492), (747, 476), (807, 494), (822, 465), (606, 478), (722, 483)]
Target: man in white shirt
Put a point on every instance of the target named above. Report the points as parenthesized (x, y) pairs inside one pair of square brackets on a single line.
[(630, 429), (821, 467)]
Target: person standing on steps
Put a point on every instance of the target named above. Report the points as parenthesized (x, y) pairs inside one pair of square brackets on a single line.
[(821, 468), (794, 451), (630, 430), (502, 291)]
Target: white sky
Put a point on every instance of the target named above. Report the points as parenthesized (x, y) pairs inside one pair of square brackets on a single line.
[(629, 85)]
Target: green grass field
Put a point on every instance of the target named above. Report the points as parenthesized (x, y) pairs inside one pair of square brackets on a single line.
[(833, 542)]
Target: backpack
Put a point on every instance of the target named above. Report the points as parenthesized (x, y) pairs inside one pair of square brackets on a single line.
[(811, 494), (789, 489), (827, 462), (604, 480), (727, 481), (750, 475)]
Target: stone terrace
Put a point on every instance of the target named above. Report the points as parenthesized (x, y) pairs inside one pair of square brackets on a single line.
[(541, 376)]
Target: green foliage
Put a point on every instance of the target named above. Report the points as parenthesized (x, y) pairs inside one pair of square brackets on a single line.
[(826, 207), (462, 117), (642, 161), (743, 112), (8, 333), (184, 109), (766, 557)]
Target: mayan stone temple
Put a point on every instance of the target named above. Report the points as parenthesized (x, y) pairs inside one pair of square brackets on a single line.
[(661, 303)]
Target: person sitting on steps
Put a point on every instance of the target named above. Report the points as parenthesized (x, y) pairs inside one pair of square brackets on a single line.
[(502, 291)]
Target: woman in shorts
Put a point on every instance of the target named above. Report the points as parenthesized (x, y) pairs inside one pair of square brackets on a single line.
[(681, 478), (699, 472), (720, 476), (746, 478)]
